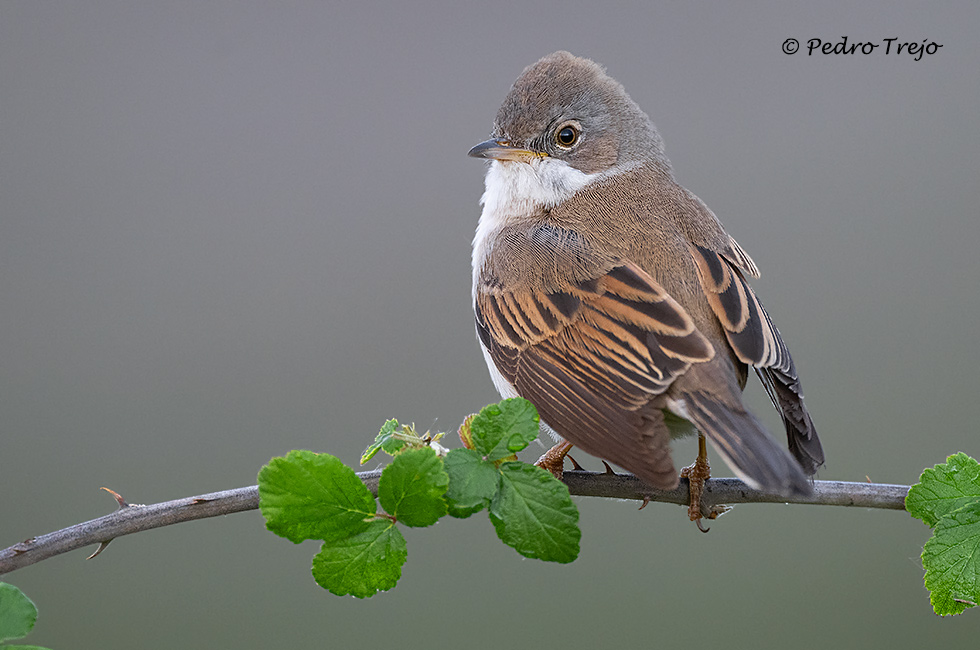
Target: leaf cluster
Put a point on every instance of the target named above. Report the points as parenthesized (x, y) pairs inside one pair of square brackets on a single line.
[(305, 495), (947, 499)]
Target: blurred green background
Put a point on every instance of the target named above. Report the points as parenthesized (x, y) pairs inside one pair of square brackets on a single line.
[(231, 229)]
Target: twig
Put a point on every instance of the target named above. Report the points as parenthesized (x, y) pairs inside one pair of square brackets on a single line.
[(719, 491), (133, 519)]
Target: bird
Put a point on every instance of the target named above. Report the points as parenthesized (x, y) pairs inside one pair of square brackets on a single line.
[(613, 299)]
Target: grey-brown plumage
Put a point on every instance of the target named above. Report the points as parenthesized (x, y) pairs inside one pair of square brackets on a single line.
[(608, 295)]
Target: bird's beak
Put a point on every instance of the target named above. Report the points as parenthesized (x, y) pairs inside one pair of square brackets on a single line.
[(503, 150)]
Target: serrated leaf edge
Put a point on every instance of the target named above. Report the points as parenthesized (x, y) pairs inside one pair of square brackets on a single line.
[(930, 578)]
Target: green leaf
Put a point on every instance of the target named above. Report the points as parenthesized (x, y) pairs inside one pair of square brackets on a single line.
[(17, 613), (501, 430), (534, 514), (951, 559), (364, 564), (384, 440), (678, 426), (411, 488), (313, 496), (473, 482), (465, 435), (23, 647), (944, 488)]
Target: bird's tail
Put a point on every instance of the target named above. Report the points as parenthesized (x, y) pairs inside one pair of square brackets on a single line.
[(784, 390), (744, 444)]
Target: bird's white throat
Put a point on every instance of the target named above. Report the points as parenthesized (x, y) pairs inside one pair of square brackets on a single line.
[(518, 190)]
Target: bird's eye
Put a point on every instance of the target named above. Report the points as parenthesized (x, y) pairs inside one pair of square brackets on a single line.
[(567, 136)]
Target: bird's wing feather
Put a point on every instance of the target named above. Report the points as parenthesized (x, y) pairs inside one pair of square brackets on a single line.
[(757, 343), (737, 256), (591, 356)]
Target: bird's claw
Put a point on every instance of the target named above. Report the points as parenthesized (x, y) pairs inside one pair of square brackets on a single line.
[(553, 460), (697, 474)]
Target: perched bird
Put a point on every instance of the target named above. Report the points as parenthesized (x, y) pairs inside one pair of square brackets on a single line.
[(613, 299)]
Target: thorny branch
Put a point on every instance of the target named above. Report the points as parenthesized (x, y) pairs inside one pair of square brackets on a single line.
[(136, 518)]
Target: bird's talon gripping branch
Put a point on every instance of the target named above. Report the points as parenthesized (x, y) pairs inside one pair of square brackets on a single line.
[(553, 460), (697, 474)]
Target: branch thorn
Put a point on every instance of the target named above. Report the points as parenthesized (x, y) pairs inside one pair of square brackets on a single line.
[(122, 504), (98, 551)]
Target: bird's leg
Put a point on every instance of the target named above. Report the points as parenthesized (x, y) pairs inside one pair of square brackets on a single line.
[(553, 460), (697, 474)]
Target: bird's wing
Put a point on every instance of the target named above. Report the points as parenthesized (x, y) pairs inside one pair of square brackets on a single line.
[(757, 343), (737, 256), (591, 355)]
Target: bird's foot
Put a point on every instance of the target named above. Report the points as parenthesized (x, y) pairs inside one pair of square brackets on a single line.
[(553, 460), (697, 474)]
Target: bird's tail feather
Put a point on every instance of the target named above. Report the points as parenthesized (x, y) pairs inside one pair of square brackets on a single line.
[(784, 390), (743, 442)]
